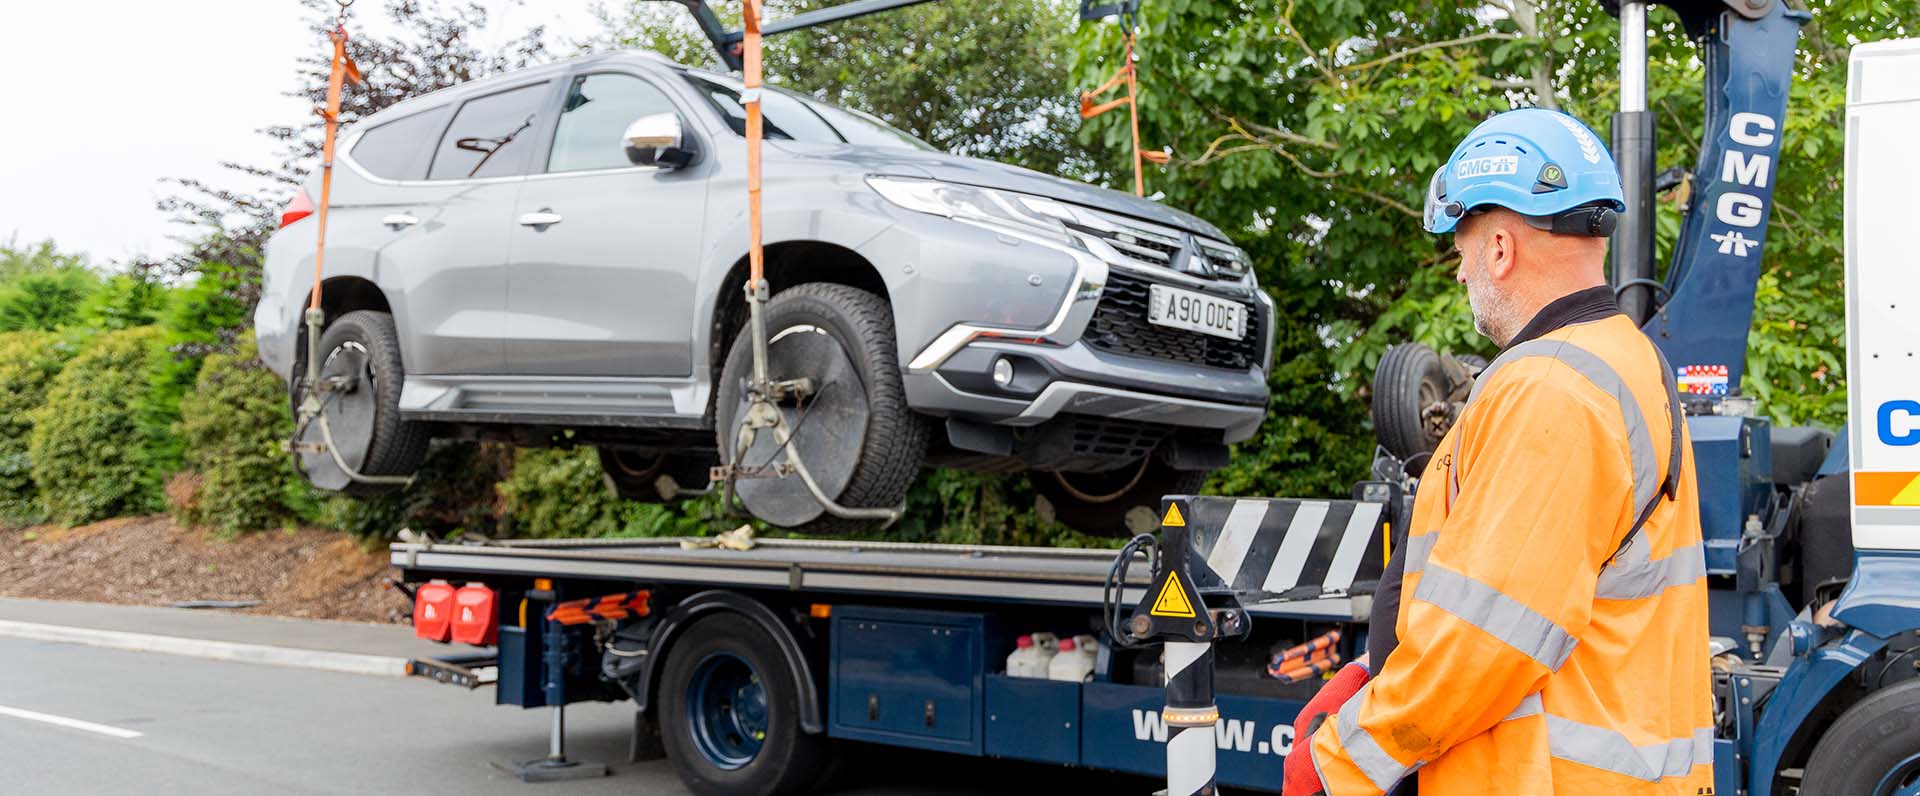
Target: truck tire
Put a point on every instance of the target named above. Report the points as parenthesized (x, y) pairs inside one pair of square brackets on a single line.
[(856, 434), (362, 347), (1408, 380), (1873, 749), (730, 714), (635, 474), (1116, 503)]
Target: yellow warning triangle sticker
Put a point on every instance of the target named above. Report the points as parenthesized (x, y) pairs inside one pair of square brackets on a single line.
[(1173, 518), (1910, 496), (1173, 599)]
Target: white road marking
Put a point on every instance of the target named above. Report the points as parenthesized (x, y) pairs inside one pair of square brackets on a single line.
[(62, 721)]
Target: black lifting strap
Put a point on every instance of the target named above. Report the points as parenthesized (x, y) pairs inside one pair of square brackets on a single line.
[(1670, 487)]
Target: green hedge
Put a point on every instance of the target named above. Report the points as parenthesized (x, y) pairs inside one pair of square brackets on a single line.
[(555, 492), (89, 454), (28, 363), (232, 426)]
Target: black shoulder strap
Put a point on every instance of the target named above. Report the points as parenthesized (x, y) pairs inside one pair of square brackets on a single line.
[(1670, 486)]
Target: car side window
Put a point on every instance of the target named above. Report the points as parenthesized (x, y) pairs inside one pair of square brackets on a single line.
[(490, 136), (398, 150), (594, 119)]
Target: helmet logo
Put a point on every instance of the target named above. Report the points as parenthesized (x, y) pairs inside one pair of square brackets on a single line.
[(1589, 148), (1487, 166)]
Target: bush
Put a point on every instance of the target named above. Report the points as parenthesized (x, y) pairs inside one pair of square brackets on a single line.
[(232, 425), (90, 456), (204, 317), (453, 493), (45, 300), (558, 493), (125, 301), (28, 363)]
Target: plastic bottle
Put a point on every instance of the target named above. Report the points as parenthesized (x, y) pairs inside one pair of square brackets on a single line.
[(1074, 663), (1028, 659)]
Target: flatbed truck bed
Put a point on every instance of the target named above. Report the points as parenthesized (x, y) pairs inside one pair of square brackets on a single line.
[(747, 666)]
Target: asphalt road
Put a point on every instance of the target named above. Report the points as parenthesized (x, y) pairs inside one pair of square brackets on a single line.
[(211, 727)]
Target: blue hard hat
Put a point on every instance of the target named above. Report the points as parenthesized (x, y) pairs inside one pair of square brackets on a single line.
[(1539, 163)]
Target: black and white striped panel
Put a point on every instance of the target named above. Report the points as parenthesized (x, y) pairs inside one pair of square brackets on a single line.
[(1289, 549)]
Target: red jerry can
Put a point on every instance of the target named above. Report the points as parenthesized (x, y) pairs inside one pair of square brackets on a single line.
[(474, 619), (433, 610)]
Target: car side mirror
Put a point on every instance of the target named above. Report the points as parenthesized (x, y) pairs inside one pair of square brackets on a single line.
[(657, 140)]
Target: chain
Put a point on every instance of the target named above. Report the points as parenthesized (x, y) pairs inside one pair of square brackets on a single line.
[(340, 20)]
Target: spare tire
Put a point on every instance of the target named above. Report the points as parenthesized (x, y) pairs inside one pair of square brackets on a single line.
[(634, 474), (1410, 412), (855, 431), (1117, 503), (361, 352)]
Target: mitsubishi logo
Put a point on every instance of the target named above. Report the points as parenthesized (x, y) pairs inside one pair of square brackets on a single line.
[(1187, 259), (1734, 243)]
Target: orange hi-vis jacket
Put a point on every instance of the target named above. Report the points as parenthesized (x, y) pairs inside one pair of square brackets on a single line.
[(1537, 655)]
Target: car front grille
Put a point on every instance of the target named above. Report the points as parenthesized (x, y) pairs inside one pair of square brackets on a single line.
[(1120, 325)]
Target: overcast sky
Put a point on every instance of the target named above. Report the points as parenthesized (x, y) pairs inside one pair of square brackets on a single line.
[(101, 100)]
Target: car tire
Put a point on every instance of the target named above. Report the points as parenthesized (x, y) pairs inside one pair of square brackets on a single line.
[(1409, 378), (365, 421), (857, 436), (635, 474), (1873, 749), (730, 713), (1116, 503)]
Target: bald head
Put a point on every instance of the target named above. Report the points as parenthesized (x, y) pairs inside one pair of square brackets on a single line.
[(1512, 270)]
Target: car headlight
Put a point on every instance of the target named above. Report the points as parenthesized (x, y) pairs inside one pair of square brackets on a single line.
[(1023, 212)]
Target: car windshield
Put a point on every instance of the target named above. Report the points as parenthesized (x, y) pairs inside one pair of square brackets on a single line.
[(791, 116)]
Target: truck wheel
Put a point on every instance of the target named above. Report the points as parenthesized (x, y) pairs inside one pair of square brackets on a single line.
[(1410, 388), (360, 355), (730, 714), (855, 432), (1114, 503), (635, 474), (1872, 749)]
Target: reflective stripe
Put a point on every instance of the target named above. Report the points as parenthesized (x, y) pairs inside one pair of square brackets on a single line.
[(1418, 549), (1607, 750), (1527, 707), (1646, 475), (1381, 769), (1632, 576), (1500, 616)]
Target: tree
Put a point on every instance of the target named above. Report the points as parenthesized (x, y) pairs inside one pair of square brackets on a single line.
[(1309, 131), (984, 78)]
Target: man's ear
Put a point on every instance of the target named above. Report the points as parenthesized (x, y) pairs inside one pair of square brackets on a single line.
[(1502, 253)]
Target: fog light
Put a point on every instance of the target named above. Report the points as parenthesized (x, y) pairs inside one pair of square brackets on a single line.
[(1002, 371)]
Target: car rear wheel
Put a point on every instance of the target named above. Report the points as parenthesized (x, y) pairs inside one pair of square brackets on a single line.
[(360, 361), (1118, 502), (730, 714), (854, 432)]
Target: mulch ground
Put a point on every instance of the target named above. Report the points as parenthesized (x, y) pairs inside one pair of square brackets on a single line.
[(307, 573)]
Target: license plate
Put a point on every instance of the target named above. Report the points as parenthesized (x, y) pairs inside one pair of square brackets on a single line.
[(1196, 312)]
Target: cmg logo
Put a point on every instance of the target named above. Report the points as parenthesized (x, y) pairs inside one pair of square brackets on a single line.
[(1908, 414)]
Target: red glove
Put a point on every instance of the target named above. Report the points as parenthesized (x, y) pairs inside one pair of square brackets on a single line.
[(1301, 779)]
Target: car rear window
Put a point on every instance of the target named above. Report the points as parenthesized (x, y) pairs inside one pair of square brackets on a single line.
[(398, 150), (490, 136)]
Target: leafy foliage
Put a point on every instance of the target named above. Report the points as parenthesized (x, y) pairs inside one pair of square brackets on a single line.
[(89, 454), (232, 425), (28, 363), (45, 300), (451, 494), (561, 492), (973, 77)]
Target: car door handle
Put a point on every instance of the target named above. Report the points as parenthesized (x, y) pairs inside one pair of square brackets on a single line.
[(399, 221), (539, 219)]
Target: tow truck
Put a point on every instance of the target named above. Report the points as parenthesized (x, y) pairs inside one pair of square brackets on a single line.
[(749, 666)]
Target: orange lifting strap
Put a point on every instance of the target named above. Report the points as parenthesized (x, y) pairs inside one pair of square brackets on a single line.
[(1125, 74), (343, 72), (750, 80)]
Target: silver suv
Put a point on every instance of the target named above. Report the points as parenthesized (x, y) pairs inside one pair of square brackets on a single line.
[(557, 256)]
